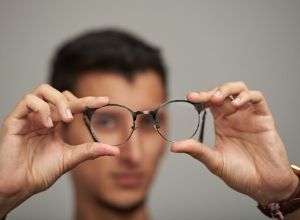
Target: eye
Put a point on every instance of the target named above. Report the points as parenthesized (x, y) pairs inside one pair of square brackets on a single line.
[(105, 122)]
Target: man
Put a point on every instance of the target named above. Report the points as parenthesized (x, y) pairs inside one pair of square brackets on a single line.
[(45, 135)]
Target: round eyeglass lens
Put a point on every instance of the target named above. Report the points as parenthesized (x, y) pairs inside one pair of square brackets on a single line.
[(112, 124), (177, 120)]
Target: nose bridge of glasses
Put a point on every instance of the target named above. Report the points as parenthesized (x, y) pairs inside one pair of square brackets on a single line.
[(147, 113)]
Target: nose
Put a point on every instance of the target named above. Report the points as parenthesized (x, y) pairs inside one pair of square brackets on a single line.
[(131, 152)]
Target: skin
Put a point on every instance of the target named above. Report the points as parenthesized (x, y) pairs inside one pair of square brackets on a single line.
[(32, 153), (245, 137)]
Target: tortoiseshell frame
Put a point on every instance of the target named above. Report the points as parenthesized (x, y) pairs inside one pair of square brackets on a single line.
[(88, 113)]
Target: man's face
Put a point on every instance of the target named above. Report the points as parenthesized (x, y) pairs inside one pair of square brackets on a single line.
[(121, 181)]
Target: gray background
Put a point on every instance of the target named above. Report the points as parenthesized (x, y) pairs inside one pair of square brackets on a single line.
[(205, 44)]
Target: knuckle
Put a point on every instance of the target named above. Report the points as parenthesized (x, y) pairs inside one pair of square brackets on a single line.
[(56, 94), (44, 86), (86, 100), (237, 84), (59, 98), (88, 147), (259, 93), (201, 93), (245, 93), (88, 150), (28, 97), (242, 84), (211, 93), (66, 93), (213, 89), (225, 87), (5, 123)]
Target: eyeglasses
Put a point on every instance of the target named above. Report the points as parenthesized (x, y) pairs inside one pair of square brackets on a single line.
[(175, 120)]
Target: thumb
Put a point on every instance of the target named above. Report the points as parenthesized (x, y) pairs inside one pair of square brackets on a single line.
[(75, 155), (210, 158)]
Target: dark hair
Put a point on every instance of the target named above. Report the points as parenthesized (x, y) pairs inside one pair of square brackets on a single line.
[(104, 50)]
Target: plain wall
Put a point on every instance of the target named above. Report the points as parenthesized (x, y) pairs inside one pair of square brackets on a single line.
[(205, 43)]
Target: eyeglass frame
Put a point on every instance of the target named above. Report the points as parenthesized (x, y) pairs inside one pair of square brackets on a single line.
[(199, 106)]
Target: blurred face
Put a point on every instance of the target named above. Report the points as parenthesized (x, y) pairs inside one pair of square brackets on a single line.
[(121, 182)]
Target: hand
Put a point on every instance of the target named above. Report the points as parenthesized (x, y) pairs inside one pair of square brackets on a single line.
[(248, 154), (33, 154)]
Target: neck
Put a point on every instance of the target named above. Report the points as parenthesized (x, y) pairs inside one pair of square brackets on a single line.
[(87, 209)]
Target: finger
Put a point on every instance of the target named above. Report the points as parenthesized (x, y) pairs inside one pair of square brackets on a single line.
[(224, 109), (241, 99), (209, 157), (69, 95), (231, 104), (56, 98), (75, 155), (32, 103), (81, 104), (254, 97), (77, 105), (220, 98), (219, 94), (201, 96), (231, 89)]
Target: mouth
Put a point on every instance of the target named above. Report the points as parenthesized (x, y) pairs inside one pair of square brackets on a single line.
[(128, 179)]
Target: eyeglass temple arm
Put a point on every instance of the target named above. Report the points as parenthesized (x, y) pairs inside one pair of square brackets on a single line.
[(202, 127)]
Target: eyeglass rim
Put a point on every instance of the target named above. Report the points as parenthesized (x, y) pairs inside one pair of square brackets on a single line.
[(199, 106)]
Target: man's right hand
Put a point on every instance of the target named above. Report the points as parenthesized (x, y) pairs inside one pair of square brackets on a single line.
[(33, 154)]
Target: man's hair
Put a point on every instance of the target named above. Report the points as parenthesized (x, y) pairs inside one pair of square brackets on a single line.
[(109, 50)]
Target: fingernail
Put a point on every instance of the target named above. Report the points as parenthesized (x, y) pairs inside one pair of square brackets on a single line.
[(237, 100), (217, 93), (69, 113), (50, 122)]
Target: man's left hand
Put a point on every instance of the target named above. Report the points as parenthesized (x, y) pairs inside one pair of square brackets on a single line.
[(248, 154)]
